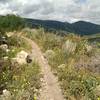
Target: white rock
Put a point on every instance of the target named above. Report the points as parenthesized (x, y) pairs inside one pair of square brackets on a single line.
[(9, 34), (6, 95), (21, 57), (4, 47), (7, 50), (5, 58), (88, 48), (3, 37)]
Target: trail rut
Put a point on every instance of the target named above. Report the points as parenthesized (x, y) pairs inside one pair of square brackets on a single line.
[(50, 87)]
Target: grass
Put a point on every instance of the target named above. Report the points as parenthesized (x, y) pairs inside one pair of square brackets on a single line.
[(45, 41), (20, 80), (18, 42), (76, 83), (25, 79)]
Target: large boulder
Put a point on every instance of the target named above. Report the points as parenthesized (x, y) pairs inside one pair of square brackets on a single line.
[(21, 57)]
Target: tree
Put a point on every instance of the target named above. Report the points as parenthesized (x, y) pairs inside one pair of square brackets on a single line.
[(11, 23)]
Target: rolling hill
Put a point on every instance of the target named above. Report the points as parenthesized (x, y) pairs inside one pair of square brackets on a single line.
[(80, 27)]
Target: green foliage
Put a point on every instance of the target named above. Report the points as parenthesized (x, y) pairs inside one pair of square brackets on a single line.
[(5, 73), (18, 42), (13, 41), (11, 23), (46, 41), (16, 78), (26, 78), (2, 33), (76, 83), (2, 53)]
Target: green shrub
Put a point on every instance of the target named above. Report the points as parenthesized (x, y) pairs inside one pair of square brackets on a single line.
[(11, 23)]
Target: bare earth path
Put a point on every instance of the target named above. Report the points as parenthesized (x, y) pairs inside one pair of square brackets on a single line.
[(50, 88)]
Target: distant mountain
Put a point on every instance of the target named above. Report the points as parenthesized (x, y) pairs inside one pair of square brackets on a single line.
[(83, 27), (80, 27)]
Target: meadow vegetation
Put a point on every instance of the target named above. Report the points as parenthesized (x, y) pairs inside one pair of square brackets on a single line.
[(78, 79), (18, 79), (74, 59), (17, 82)]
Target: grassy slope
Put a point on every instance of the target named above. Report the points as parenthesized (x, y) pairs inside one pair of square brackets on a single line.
[(76, 83), (24, 78)]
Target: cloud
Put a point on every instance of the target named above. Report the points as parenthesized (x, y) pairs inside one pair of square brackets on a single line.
[(62, 10), (3, 1)]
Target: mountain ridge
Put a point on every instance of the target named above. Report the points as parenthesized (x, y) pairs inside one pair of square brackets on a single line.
[(62, 28), (79, 27)]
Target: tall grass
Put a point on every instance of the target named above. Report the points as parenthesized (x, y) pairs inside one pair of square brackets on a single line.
[(76, 83), (25, 79), (22, 81)]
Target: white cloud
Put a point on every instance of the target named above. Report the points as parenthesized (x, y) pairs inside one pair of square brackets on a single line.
[(63, 10)]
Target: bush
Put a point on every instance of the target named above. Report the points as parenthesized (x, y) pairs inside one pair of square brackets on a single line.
[(11, 23)]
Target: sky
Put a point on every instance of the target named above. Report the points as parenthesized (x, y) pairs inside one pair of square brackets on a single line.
[(61, 10)]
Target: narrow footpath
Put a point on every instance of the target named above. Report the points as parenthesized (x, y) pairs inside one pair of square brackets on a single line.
[(50, 87)]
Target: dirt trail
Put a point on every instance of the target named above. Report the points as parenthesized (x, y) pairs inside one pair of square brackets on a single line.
[(50, 88)]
